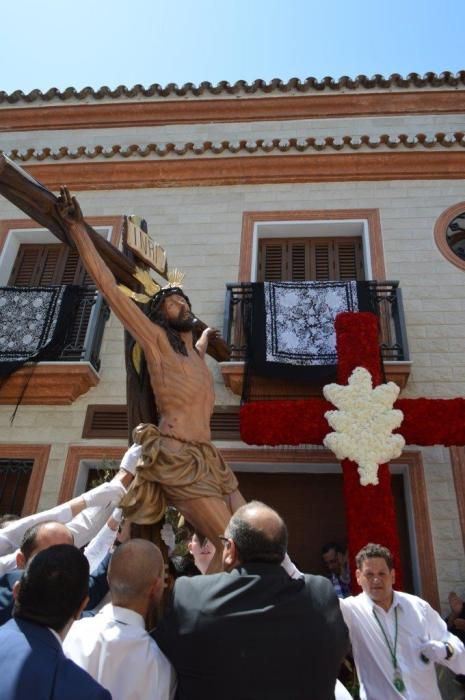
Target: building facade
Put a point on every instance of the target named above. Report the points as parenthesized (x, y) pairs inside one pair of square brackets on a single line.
[(348, 179)]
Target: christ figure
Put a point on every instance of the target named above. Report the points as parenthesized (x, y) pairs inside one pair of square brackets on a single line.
[(179, 465)]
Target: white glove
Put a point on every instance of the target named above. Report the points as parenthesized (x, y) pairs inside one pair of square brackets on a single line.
[(102, 495), (434, 651), (130, 458), (117, 515)]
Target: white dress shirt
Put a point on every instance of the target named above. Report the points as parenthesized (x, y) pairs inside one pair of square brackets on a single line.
[(116, 650), (417, 624), (8, 563), (12, 534), (85, 526), (99, 546)]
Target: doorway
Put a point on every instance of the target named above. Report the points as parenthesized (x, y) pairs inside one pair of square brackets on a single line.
[(312, 504)]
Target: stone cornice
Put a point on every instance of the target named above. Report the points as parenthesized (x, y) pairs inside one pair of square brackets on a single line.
[(229, 109), (241, 87), (333, 166), (257, 147)]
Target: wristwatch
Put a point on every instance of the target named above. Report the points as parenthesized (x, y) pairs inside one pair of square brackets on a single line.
[(449, 650)]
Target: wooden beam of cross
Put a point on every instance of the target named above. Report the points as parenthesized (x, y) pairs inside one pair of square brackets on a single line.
[(370, 514), (38, 202)]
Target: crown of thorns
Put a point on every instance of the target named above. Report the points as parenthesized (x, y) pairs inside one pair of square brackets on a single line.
[(158, 299), (153, 292)]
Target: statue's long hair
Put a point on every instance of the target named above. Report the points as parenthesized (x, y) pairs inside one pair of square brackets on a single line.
[(155, 314)]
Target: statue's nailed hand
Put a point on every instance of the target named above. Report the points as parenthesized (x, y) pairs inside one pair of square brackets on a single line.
[(212, 333), (68, 207)]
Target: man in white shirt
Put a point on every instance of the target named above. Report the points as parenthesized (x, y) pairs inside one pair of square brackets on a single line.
[(114, 646), (396, 637)]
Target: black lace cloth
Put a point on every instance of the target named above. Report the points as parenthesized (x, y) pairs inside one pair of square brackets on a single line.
[(34, 323), (290, 330)]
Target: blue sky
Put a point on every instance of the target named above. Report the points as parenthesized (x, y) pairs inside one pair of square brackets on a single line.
[(44, 44)]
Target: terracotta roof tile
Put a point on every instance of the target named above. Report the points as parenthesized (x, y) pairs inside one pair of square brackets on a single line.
[(258, 146), (257, 87)]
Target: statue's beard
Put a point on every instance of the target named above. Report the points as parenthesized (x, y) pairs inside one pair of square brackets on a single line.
[(182, 325)]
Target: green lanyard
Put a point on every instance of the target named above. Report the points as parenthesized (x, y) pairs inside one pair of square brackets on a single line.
[(397, 681)]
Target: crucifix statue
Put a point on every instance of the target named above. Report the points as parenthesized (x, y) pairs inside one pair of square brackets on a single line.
[(179, 465)]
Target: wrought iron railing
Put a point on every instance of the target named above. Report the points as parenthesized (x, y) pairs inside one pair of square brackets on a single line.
[(85, 338), (386, 302)]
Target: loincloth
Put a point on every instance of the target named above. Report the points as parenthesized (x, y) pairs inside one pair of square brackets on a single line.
[(164, 477)]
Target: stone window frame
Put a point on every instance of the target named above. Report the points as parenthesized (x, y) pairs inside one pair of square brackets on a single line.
[(39, 454), (369, 221), (440, 231)]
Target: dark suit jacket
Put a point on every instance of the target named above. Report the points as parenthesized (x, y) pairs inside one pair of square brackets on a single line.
[(98, 588), (254, 634), (33, 667)]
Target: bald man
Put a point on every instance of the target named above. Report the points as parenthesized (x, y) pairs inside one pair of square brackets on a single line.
[(36, 539), (253, 632), (114, 646)]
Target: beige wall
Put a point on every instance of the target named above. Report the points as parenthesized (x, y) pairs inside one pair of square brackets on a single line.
[(201, 227), (198, 133)]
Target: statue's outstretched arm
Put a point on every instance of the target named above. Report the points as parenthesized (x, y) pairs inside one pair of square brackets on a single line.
[(132, 318), (202, 343)]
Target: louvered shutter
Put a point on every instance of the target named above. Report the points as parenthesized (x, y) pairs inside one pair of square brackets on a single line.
[(111, 421), (322, 260), (298, 261), (42, 265), (272, 262), (26, 266), (349, 259), (318, 259)]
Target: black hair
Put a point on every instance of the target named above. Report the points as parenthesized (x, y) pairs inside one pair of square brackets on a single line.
[(182, 565), (332, 545), (156, 315), (372, 551), (254, 545), (53, 586), (29, 541), (7, 519)]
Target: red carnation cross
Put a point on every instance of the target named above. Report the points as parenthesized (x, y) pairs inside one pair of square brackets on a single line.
[(370, 514)]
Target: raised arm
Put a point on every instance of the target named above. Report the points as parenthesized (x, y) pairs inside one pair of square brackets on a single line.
[(132, 318), (202, 343)]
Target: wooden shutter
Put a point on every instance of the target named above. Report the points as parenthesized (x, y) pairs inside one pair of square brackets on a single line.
[(41, 265), (298, 261), (322, 258), (318, 259), (349, 259), (273, 260)]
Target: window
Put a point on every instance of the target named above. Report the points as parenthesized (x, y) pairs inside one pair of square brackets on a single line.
[(41, 265), (455, 236), (318, 259), (14, 480), (449, 234)]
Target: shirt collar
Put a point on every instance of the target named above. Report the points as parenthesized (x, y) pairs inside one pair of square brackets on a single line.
[(396, 602), (123, 615), (56, 635)]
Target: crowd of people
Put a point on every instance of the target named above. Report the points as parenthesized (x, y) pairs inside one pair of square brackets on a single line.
[(77, 592)]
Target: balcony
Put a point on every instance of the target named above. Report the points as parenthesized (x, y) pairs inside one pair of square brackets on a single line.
[(74, 372), (386, 302)]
